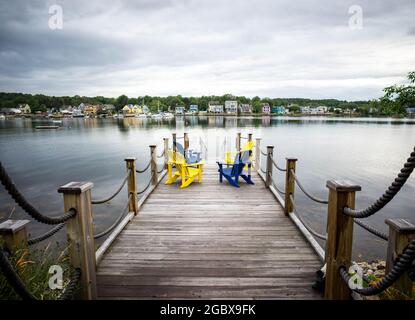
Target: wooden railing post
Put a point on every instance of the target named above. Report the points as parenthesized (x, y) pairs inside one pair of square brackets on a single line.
[(238, 142), (339, 237), (132, 185), (80, 233), (153, 157), (186, 141), (14, 234), (174, 141), (270, 154), (249, 137), (401, 232), (289, 185), (166, 151), (258, 154)]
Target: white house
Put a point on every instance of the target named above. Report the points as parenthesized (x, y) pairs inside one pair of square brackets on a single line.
[(231, 107), (215, 107), (179, 110)]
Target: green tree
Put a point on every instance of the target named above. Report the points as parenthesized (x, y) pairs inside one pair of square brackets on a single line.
[(121, 101), (397, 97)]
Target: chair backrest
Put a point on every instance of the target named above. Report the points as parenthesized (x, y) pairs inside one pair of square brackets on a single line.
[(178, 159), (248, 145), (241, 159), (179, 147)]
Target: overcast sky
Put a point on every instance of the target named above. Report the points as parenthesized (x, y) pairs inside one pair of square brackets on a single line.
[(270, 48)]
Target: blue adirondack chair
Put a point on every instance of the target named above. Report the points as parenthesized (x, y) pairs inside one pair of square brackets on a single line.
[(232, 171), (190, 155)]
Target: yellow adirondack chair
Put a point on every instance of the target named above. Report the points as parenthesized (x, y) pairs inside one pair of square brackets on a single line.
[(230, 156), (187, 171)]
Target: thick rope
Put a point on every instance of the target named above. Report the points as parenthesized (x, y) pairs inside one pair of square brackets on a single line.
[(263, 153), (305, 191), (403, 262), (115, 193), (314, 233), (389, 194), (145, 169), (45, 236), (371, 229), (69, 290), (162, 168), (26, 206), (276, 166), (142, 191), (161, 155), (13, 278), (276, 187), (116, 222)]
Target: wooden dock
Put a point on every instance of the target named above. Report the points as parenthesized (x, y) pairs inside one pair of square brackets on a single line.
[(209, 241)]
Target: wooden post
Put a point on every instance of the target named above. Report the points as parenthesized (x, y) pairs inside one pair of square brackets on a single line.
[(258, 154), (186, 141), (339, 237), (268, 178), (249, 137), (14, 234), (238, 142), (174, 141), (132, 185), (289, 185), (401, 232), (153, 157), (166, 151), (80, 232)]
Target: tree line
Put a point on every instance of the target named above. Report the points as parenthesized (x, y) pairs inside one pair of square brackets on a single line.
[(394, 102)]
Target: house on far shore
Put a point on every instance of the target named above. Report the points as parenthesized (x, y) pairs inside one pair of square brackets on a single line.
[(193, 108), (410, 109), (24, 108), (278, 110), (215, 107), (231, 107), (179, 110), (265, 108), (245, 108)]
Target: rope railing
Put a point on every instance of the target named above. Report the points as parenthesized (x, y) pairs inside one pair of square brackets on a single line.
[(263, 153), (277, 167), (162, 168), (404, 262), (116, 222), (145, 169), (46, 235), (299, 184), (371, 229), (115, 193), (20, 288), (145, 188), (161, 155), (314, 233), (389, 194), (276, 187), (26, 206)]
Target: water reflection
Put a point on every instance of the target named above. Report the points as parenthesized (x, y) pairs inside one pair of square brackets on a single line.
[(368, 151)]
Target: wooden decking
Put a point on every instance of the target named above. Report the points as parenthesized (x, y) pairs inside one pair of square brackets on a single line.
[(209, 240)]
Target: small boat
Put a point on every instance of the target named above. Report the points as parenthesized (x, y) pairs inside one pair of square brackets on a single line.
[(57, 121), (2, 117), (141, 116), (168, 115), (47, 127), (118, 116), (157, 116)]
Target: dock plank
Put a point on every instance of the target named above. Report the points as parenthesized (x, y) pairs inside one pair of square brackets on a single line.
[(209, 241)]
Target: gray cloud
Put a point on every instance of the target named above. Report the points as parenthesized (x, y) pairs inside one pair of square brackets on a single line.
[(193, 47)]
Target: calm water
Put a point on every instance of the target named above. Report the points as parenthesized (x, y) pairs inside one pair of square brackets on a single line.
[(367, 151)]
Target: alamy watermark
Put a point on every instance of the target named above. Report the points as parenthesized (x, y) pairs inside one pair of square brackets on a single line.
[(56, 280), (56, 17), (356, 18), (356, 280)]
